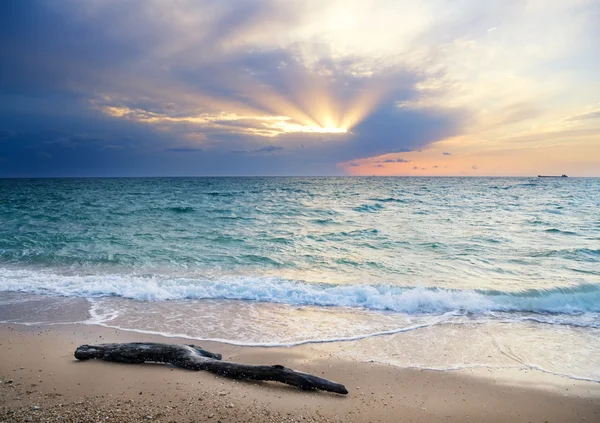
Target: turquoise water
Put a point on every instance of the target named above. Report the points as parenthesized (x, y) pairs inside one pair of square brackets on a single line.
[(341, 258)]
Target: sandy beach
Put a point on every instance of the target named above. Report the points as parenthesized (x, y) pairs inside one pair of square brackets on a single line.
[(41, 381)]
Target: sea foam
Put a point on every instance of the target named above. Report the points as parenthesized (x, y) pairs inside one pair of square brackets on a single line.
[(569, 300)]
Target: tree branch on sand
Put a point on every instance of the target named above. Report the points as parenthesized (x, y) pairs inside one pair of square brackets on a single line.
[(195, 358)]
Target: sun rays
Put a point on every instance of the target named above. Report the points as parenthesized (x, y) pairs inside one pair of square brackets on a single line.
[(328, 116), (304, 103)]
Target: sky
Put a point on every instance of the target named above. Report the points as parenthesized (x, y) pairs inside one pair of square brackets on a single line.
[(299, 87)]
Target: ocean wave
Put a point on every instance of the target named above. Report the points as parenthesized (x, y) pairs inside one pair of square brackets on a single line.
[(222, 193), (181, 209), (558, 231), (389, 200), (369, 208), (325, 221), (143, 211), (342, 235), (417, 300), (578, 254)]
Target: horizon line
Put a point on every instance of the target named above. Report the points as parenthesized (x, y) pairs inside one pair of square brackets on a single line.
[(281, 176)]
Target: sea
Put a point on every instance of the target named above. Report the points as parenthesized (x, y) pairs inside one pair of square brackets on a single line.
[(432, 273)]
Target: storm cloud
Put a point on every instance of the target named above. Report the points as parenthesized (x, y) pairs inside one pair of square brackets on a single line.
[(107, 87)]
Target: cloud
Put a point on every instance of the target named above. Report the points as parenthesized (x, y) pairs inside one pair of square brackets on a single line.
[(435, 167), (269, 149), (262, 150), (415, 167), (353, 164), (394, 161), (344, 80), (112, 147), (474, 167), (378, 165), (73, 140), (230, 84), (185, 149), (595, 114), (447, 154)]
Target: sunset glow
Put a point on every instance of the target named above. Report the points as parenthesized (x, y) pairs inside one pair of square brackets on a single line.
[(327, 88)]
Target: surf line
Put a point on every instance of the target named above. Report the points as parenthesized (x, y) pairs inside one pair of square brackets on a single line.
[(440, 321)]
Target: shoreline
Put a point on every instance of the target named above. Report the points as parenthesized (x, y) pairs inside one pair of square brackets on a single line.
[(41, 381)]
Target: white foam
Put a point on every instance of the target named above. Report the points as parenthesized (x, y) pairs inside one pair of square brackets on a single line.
[(276, 290), (266, 344)]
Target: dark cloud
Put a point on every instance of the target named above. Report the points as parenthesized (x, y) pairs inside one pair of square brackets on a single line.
[(64, 63), (447, 154), (269, 149), (354, 164), (393, 130), (185, 149), (266, 150), (74, 140)]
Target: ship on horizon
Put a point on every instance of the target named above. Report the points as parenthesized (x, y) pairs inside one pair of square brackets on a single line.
[(552, 176)]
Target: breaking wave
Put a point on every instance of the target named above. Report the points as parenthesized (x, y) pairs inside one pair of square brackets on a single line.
[(413, 300)]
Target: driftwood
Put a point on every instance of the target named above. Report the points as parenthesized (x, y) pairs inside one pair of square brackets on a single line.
[(195, 358)]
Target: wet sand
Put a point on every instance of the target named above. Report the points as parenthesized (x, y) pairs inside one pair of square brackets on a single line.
[(41, 381)]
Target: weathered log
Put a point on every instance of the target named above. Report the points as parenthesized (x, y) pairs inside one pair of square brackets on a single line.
[(195, 358)]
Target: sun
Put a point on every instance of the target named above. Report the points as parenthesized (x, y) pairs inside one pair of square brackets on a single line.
[(287, 126), (322, 130), (332, 130)]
